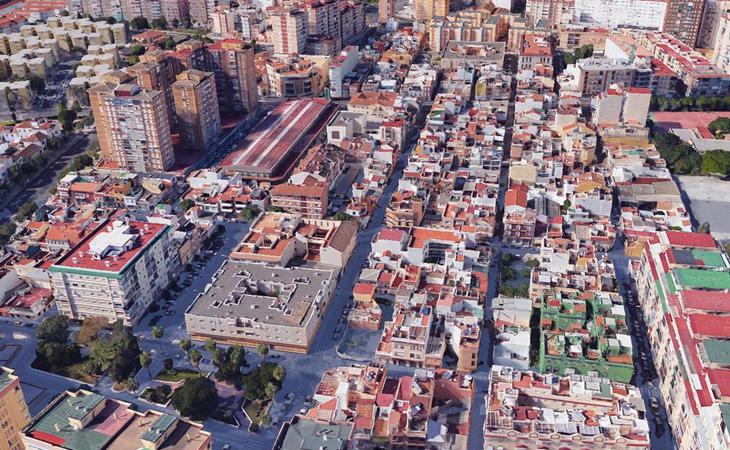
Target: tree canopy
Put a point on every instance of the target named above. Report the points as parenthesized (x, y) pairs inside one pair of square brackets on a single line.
[(197, 398)]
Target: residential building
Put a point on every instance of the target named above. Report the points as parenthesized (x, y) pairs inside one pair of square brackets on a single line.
[(721, 46), (386, 10), (430, 409), (699, 75), (116, 272), (591, 76), (175, 11), (428, 9), (512, 326), (83, 419), (307, 200), (682, 281), (234, 66), (683, 20), (196, 106), (290, 29), (618, 106), (534, 51), (13, 410), (251, 303), (199, 10), (640, 14), (340, 67), (133, 126), (278, 238), (294, 77), (551, 12), (532, 410)]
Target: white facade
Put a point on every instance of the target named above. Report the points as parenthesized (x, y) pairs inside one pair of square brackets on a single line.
[(721, 47), (341, 67), (644, 14)]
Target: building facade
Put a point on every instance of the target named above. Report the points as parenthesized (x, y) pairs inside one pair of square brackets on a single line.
[(196, 106), (133, 126), (116, 272), (290, 29), (683, 19), (13, 411), (234, 67)]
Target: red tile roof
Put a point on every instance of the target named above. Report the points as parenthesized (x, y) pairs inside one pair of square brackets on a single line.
[(709, 325), (687, 239)]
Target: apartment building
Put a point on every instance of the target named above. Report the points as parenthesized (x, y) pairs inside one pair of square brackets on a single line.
[(591, 76), (682, 282), (196, 106), (13, 411), (290, 29), (699, 75), (641, 14), (534, 51), (85, 420), (430, 409), (278, 238), (519, 221), (386, 10), (132, 125), (199, 10), (175, 11), (428, 9), (294, 77), (232, 62), (309, 201), (721, 46), (323, 19), (116, 272), (251, 303), (531, 410), (551, 12), (683, 20)]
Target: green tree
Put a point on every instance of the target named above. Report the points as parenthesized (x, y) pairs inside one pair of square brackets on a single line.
[(186, 204), (218, 357), (137, 50), (197, 399), (195, 357), (237, 355), (342, 216), (7, 229), (186, 345), (67, 118), (131, 385), (279, 373), (145, 360), (262, 349), (250, 212), (210, 345), (716, 162), (139, 23), (159, 24), (37, 84), (271, 390), (53, 329), (26, 210), (719, 127), (158, 332)]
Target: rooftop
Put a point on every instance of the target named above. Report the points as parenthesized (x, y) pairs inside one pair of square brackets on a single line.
[(273, 141), (111, 247), (263, 293)]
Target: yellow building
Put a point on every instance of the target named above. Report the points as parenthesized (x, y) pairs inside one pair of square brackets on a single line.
[(14, 415)]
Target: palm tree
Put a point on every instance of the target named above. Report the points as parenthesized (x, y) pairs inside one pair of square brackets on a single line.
[(145, 360), (195, 357), (186, 345)]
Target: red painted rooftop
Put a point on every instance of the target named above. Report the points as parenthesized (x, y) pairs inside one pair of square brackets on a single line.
[(687, 239), (274, 137), (84, 259)]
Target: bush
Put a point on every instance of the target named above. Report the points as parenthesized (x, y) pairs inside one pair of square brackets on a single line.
[(197, 398), (139, 23)]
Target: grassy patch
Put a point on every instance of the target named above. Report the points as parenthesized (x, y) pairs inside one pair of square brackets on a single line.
[(76, 371), (176, 375), (256, 410)]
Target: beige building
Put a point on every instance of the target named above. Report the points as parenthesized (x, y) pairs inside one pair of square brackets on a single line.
[(428, 9), (290, 28), (196, 106), (14, 415), (721, 49), (116, 272), (133, 126), (232, 61), (294, 77)]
